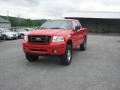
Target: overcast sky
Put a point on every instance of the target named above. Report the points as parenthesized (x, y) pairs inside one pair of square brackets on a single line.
[(37, 9)]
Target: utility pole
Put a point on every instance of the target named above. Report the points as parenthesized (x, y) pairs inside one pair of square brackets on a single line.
[(7, 15), (18, 19), (8, 18)]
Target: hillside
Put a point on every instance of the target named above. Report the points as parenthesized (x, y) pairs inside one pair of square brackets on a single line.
[(16, 21)]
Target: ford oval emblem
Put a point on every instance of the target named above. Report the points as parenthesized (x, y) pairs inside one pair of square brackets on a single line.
[(38, 39)]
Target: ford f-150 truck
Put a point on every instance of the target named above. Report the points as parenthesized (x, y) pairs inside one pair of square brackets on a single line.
[(55, 37)]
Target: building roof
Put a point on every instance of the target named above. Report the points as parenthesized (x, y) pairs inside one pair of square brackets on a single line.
[(92, 14), (2, 20)]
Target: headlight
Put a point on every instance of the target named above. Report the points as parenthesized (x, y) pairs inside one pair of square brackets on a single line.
[(26, 38), (57, 39)]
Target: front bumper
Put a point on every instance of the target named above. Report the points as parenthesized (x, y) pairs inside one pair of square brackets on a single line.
[(12, 37), (44, 49)]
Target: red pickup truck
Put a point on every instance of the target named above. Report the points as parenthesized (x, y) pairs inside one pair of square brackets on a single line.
[(55, 37)]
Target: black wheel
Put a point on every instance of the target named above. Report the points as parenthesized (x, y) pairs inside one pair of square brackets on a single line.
[(83, 45), (22, 36), (15, 38), (4, 37), (31, 58), (67, 57)]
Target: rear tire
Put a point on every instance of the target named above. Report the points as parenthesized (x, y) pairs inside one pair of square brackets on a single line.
[(0, 38), (15, 38), (83, 46), (22, 36), (67, 57), (31, 58)]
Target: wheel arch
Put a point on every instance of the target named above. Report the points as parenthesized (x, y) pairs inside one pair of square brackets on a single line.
[(22, 34), (69, 42)]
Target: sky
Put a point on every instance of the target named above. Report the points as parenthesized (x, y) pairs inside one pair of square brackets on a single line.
[(47, 9)]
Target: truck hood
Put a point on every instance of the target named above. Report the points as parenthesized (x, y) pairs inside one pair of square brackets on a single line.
[(51, 32), (9, 33)]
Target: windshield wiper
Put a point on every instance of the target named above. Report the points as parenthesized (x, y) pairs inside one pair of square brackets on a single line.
[(56, 28), (43, 28)]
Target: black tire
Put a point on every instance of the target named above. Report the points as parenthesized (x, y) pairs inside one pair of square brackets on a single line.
[(0, 38), (67, 57), (31, 58), (15, 38), (83, 46), (22, 36), (4, 37)]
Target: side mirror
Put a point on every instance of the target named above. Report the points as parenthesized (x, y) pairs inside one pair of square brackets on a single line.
[(77, 27)]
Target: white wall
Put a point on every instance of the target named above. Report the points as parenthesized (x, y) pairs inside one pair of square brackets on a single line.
[(5, 25)]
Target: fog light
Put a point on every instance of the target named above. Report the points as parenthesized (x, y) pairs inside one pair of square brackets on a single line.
[(54, 51)]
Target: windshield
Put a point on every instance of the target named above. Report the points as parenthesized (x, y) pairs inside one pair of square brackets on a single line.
[(20, 30), (29, 29), (57, 24), (6, 30)]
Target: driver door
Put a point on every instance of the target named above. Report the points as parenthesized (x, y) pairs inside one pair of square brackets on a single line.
[(75, 34)]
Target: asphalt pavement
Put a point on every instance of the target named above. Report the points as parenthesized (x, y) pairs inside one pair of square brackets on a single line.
[(97, 68)]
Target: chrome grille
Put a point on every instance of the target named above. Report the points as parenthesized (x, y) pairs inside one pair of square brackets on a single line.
[(39, 39)]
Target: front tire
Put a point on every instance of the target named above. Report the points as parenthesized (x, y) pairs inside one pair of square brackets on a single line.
[(4, 37), (31, 58), (16, 38), (67, 57)]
